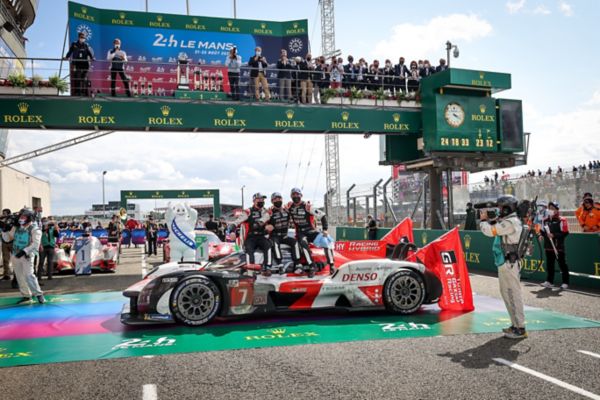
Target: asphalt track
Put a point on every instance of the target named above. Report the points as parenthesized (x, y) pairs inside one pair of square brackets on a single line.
[(549, 364)]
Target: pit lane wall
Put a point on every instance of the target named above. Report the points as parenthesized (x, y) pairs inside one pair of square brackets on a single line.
[(583, 253)]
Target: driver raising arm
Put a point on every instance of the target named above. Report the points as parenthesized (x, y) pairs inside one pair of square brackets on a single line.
[(255, 219)]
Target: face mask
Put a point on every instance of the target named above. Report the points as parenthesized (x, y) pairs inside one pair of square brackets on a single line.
[(307, 58), (117, 46), (258, 53), (277, 203), (81, 40), (550, 213), (388, 65), (420, 65), (260, 204), (22, 221), (296, 199)]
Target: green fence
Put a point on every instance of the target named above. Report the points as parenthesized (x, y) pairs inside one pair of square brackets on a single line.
[(583, 253)]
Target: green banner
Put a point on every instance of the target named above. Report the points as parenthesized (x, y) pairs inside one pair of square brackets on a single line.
[(174, 194), (137, 114), (477, 80)]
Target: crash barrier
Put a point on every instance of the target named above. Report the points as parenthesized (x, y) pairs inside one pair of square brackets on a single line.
[(85, 326), (583, 253)]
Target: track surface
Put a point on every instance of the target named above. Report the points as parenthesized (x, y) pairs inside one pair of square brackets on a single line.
[(452, 367)]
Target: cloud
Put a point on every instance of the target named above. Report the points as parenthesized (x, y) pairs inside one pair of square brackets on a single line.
[(541, 10), (515, 6), (427, 39), (595, 100), (247, 172), (566, 9)]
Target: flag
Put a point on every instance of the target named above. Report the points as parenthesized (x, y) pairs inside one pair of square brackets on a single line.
[(403, 230), (444, 256)]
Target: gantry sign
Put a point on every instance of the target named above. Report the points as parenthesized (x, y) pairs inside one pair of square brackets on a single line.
[(173, 194)]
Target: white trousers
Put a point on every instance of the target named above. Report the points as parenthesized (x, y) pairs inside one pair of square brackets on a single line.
[(28, 283), (509, 276)]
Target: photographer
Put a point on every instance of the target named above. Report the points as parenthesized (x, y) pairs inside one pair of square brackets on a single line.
[(7, 229), (49, 236), (506, 228), (25, 247), (233, 64)]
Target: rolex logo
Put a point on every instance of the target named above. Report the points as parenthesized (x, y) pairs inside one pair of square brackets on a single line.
[(263, 25), (96, 108), (157, 193), (482, 108), (295, 25), (159, 18), (289, 114), (230, 23), (396, 117), (424, 237), (84, 10), (277, 331), (345, 116), (230, 112), (23, 107), (122, 15), (467, 241), (165, 110), (195, 20), (481, 75)]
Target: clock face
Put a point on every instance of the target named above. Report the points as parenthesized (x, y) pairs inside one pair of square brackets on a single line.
[(454, 114)]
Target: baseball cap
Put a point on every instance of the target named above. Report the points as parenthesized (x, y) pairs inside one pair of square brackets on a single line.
[(587, 195), (275, 195), (258, 195), (554, 204), (296, 190)]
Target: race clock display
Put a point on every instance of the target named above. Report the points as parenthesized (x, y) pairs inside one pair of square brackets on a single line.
[(454, 114)]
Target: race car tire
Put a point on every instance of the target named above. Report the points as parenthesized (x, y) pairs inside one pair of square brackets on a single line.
[(195, 301), (404, 292)]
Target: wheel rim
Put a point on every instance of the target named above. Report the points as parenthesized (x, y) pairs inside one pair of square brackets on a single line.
[(406, 292), (196, 302)]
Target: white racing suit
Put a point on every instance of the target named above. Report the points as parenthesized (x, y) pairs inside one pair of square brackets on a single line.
[(28, 239), (507, 232)]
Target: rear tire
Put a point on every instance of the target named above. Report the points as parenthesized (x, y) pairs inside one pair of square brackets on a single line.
[(195, 301), (404, 292)]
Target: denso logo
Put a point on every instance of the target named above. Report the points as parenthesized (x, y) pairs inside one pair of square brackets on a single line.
[(359, 277)]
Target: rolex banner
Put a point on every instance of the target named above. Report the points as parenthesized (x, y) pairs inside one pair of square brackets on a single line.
[(154, 42)]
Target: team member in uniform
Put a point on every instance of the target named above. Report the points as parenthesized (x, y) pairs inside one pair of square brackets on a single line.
[(25, 246), (507, 233), (255, 220), (303, 215), (555, 231), (280, 223)]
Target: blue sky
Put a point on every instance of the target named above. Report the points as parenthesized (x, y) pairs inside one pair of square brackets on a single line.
[(550, 47)]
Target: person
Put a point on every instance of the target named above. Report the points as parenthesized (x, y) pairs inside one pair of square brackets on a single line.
[(255, 220), (114, 229), (25, 248), (80, 54), (413, 77), (371, 227), (118, 58), (375, 77), (556, 229), (49, 236), (222, 229), (321, 79), (284, 74), (234, 64), (427, 69), (7, 235), (350, 73), (211, 224), (336, 73), (400, 73), (506, 230), (303, 216), (98, 225), (258, 67), (304, 75), (362, 70), (279, 223), (471, 220), (86, 223), (588, 214), (151, 235), (442, 66), (388, 76)]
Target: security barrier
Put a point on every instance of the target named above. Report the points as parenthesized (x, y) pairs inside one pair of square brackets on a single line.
[(583, 253)]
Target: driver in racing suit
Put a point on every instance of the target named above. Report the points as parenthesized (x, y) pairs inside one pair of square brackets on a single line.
[(255, 219), (280, 223), (507, 233), (303, 215)]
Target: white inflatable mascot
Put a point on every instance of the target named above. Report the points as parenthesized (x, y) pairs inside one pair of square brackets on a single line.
[(181, 219)]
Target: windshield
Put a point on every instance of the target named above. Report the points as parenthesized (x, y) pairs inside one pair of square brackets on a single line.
[(212, 238), (231, 261)]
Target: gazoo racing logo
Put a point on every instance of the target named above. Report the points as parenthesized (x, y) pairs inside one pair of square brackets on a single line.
[(448, 260), (366, 277), (281, 333)]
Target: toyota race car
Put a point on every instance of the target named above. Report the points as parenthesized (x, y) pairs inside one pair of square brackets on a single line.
[(193, 294)]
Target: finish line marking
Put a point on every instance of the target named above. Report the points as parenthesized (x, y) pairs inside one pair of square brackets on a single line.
[(589, 353), (149, 392), (547, 378)]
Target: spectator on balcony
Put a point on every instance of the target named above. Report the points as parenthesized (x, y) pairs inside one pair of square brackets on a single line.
[(442, 66), (427, 69), (233, 64), (388, 76), (321, 78), (350, 73), (284, 74), (375, 76), (80, 54), (362, 69), (413, 77), (304, 76), (336, 74), (258, 69), (118, 59), (401, 72)]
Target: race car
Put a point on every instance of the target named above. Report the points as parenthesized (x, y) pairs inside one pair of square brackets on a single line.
[(193, 294)]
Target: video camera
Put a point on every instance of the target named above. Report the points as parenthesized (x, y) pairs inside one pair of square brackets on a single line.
[(8, 221), (490, 208)]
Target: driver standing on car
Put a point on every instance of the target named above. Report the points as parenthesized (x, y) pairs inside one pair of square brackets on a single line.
[(303, 215), (280, 223), (506, 229), (255, 220)]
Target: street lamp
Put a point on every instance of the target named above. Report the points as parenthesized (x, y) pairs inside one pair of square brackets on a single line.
[(243, 186), (103, 202), (455, 53)]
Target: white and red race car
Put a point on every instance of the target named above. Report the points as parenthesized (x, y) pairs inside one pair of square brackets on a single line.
[(194, 294)]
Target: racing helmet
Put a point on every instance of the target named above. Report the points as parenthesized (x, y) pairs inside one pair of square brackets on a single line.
[(507, 204)]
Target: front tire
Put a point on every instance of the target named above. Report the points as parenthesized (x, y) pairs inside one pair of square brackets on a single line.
[(195, 301), (404, 292)]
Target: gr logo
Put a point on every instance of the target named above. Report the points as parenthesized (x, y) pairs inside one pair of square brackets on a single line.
[(448, 259)]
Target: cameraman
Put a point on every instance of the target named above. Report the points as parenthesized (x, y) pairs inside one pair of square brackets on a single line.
[(49, 236), (506, 229), (7, 228), (233, 64)]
